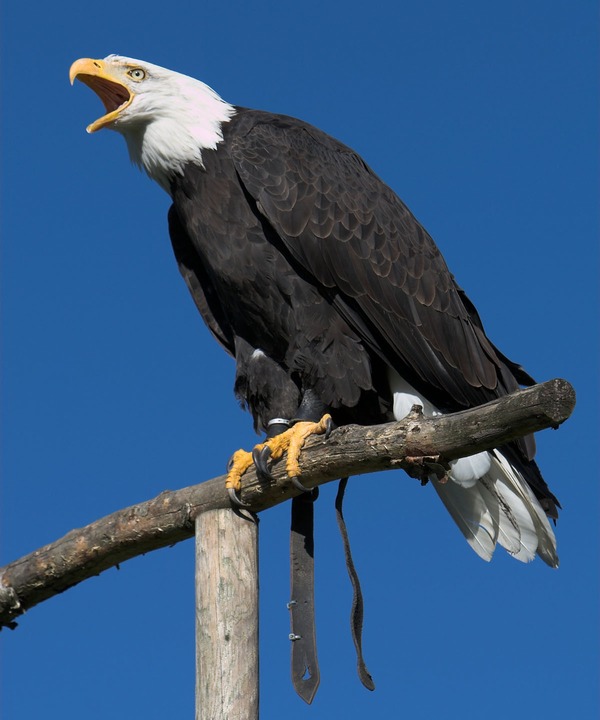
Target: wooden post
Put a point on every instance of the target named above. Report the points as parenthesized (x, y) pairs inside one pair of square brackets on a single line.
[(226, 616)]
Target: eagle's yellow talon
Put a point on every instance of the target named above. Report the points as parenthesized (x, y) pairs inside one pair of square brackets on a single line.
[(291, 441), (239, 463)]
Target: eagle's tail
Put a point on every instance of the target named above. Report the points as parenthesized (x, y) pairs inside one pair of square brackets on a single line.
[(500, 508), (488, 497)]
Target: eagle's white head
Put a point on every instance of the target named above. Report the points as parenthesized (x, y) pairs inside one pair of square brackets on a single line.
[(167, 118)]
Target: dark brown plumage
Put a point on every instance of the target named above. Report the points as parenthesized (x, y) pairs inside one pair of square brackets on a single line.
[(330, 295), (298, 249)]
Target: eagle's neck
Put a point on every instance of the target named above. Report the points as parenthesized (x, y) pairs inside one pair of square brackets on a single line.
[(174, 133)]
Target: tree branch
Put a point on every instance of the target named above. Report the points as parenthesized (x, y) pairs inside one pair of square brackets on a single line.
[(350, 450)]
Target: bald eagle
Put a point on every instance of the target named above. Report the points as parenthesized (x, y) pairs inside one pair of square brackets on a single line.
[(322, 285)]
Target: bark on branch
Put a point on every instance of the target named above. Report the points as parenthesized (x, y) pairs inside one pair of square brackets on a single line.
[(350, 450)]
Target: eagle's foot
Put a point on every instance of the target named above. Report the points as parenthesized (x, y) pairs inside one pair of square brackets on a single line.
[(239, 462), (291, 441), (423, 467)]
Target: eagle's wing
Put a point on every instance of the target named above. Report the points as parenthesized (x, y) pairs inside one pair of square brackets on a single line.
[(198, 282), (343, 225)]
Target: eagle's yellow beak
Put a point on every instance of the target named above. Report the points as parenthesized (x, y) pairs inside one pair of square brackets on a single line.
[(113, 92)]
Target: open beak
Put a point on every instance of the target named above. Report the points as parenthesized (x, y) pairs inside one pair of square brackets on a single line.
[(114, 94)]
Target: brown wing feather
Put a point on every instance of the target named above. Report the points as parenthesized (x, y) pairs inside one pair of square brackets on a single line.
[(199, 285), (354, 235)]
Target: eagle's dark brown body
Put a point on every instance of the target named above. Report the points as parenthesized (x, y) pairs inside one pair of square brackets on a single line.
[(315, 276)]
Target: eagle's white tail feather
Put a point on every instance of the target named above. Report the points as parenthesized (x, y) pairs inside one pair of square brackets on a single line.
[(472, 515), (509, 532), (487, 497), (466, 471), (500, 509), (546, 547), (519, 536)]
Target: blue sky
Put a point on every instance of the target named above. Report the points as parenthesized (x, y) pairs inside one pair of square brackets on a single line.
[(483, 117)]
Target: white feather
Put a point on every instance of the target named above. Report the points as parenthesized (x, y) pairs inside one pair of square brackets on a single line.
[(486, 496), (472, 514), (467, 471), (509, 479), (170, 121), (508, 532)]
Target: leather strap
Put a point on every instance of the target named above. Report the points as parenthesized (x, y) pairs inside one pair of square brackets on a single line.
[(356, 613), (305, 665)]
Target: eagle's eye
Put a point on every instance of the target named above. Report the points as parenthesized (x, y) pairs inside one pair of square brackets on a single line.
[(137, 74)]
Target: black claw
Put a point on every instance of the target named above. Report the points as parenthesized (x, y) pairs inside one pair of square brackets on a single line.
[(229, 464), (261, 458), (310, 494), (235, 499), (297, 484)]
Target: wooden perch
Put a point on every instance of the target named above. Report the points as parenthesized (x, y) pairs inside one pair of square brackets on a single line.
[(226, 616), (350, 450)]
